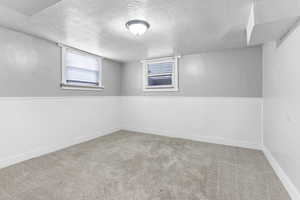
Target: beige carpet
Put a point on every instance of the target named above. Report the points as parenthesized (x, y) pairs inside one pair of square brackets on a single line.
[(134, 166)]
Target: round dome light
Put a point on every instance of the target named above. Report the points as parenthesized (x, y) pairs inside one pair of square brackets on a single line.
[(137, 27)]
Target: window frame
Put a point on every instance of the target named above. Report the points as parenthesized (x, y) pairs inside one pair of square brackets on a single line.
[(68, 86), (161, 88)]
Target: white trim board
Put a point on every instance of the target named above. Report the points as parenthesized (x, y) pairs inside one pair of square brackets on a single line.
[(286, 181), (46, 150), (41, 113), (195, 137), (33, 126), (39, 98), (229, 121), (205, 99)]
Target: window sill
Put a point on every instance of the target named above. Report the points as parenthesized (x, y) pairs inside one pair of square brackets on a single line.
[(160, 89), (79, 87)]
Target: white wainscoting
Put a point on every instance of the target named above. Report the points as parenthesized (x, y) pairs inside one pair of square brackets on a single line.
[(229, 121), (33, 126), (284, 178)]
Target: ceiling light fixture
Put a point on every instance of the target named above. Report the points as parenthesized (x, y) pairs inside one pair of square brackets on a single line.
[(137, 27)]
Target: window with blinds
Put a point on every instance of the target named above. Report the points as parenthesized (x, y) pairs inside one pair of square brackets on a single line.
[(80, 69), (161, 75)]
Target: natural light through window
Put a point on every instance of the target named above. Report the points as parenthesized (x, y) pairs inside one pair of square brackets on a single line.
[(80, 70), (160, 74)]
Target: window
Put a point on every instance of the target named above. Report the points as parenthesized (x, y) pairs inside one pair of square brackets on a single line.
[(81, 70), (160, 74)]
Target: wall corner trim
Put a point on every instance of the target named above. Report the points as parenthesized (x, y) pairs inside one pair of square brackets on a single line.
[(286, 181)]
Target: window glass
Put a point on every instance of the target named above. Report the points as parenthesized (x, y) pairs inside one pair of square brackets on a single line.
[(160, 74), (160, 80)]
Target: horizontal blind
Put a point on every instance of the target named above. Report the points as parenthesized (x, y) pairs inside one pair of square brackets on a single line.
[(160, 68), (82, 68)]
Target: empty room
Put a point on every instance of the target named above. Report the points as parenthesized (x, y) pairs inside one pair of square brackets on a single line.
[(150, 100)]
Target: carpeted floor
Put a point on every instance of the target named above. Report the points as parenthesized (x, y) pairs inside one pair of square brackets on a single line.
[(135, 166)]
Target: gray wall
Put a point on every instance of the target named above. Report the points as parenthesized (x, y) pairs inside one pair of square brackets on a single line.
[(32, 67), (230, 73)]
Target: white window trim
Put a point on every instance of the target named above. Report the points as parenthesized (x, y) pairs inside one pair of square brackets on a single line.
[(166, 88), (67, 86)]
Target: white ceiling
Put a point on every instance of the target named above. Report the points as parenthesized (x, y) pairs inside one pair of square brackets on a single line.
[(273, 19), (28, 7), (177, 26)]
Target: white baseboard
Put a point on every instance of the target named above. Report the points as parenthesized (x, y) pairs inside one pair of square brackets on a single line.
[(45, 150), (286, 181), (195, 137)]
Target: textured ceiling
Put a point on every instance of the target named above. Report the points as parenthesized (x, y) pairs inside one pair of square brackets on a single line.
[(177, 26), (28, 7)]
